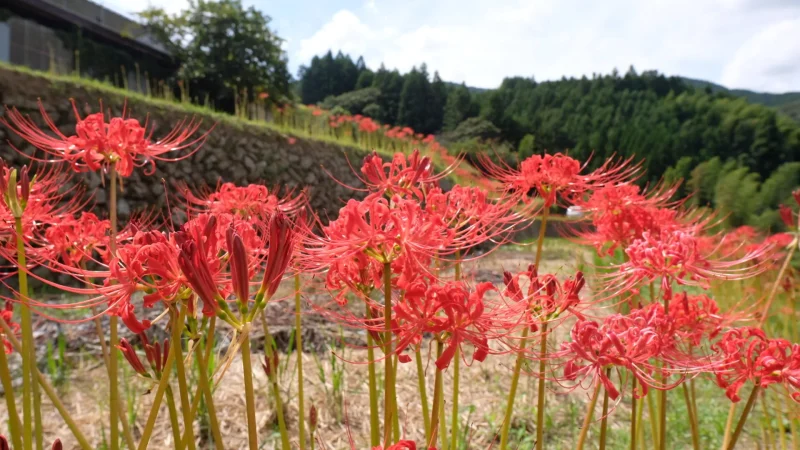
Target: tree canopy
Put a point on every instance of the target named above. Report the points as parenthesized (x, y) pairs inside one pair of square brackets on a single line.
[(224, 50)]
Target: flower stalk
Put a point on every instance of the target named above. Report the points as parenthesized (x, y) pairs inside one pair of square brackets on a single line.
[(15, 427), (298, 339), (743, 419), (512, 392), (587, 420), (374, 425), (604, 420), (249, 392), (388, 390)]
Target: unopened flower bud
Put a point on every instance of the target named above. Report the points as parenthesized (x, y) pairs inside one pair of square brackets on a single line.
[(281, 247), (270, 364), (57, 445), (197, 272), (312, 418), (238, 261), (211, 225), (3, 443), (796, 195), (130, 354), (25, 188)]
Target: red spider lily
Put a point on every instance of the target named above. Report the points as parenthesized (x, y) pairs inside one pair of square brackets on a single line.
[(358, 273), (474, 218), (780, 364), (75, 239), (383, 231), (452, 311), (251, 202), (676, 256), (620, 213), (545, 299), (99, 144), (37, 199), (625, 342), (7, 315), (738, 350), (695, 317), (403, 176), (557, 176), (748, 355)]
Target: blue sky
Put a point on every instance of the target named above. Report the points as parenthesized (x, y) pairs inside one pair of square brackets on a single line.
[(753, 44)]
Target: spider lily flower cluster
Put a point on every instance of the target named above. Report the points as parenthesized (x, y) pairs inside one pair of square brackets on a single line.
[(396, 267)]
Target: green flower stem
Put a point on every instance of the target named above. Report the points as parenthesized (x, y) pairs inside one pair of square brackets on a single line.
[(542, 346), (423, 394), (454, 414), (28, 352), (437, 401), (298, 323), (177, 326), (273, 379), (587, 421), (442, 419), (183, 390), (205, 386), (115, 405), (692, 419), (388, 389), (13, 418), (743, 419), (633, 414), (512, 393), (541, 389), (662, 404), (604, 420), (395, 412), (374, 425), (651, 409), (249, 393), (173, 418)]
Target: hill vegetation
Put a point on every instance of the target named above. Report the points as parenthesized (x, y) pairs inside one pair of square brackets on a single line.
[(678, 129)]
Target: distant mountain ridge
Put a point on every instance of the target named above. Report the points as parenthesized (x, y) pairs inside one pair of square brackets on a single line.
[(787, 102)]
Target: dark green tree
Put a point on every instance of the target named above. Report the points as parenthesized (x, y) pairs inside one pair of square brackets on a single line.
[(414, 100), (390, 84), (458, 107), (223, 49)]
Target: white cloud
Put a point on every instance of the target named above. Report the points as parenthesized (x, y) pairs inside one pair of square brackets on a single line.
[(345, 31), (769, 60), (481, 42)]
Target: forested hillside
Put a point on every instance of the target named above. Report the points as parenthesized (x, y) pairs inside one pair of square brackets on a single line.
[(670, 124)]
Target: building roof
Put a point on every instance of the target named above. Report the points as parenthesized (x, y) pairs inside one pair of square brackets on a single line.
[(95, 19)]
